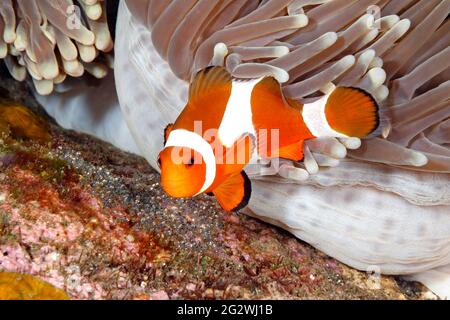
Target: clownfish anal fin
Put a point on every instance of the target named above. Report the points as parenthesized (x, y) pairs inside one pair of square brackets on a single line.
[(234, 193), (209, 80), (292, 152), (167, 130)]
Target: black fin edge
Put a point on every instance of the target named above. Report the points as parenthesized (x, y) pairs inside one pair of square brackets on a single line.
[(205, 70), (378, 122), (208, 69), (165, 131), (247, 193)]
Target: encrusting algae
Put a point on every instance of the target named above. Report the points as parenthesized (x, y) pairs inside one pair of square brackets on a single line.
[(16, 286), (21, 122)]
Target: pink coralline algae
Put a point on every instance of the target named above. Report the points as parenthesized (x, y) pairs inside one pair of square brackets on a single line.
[(47, 234)]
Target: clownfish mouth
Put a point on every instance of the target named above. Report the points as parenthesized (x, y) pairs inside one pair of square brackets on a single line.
[(179, 185), (183, 170)]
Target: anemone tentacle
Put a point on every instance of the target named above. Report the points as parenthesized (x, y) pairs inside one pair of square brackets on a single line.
[(51, 40)]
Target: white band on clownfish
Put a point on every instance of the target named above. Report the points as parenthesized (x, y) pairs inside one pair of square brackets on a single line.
[(237, 119), (192, 140), (315, 119)]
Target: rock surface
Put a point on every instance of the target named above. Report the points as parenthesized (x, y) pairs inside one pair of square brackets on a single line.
[(92, 220)]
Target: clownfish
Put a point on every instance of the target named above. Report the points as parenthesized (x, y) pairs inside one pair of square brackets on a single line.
[(238, 122)]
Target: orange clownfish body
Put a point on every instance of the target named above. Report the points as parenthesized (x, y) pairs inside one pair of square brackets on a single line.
[(228, 123)]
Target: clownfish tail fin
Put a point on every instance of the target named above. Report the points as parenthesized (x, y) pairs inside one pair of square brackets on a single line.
[(353, 112)]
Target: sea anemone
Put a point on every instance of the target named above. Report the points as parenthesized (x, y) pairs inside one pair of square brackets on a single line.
[(384, 203), (418, 104), (311, 45), (50, 40)]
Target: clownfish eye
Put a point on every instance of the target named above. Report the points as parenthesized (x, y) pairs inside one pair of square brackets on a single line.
[(190, 162)]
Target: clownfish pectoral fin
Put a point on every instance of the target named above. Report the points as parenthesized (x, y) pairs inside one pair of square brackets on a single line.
[(167, 130), (239, 154), (209, 81), (292, 152), (234, 193), (353, 112)]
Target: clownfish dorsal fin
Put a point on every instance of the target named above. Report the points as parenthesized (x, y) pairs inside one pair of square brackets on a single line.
[(167, 130), (234, 193), (208, 81), (295, 104), (353, 112), (271, 85)]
